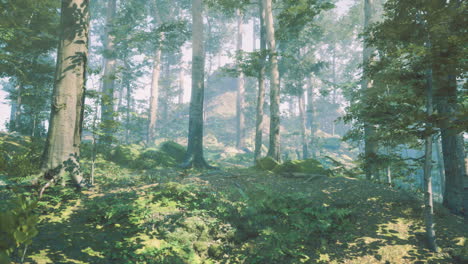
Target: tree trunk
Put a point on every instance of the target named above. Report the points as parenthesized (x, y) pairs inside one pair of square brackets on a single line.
[(154, 93), (240, 102), (452, 140), (274, 148), (371, 147), (305, 150), (194, 156), (440, 167), (428, 195), (17, 123), (65, 126), (311, 114), (107, 104), (261, 89), (181, 86)]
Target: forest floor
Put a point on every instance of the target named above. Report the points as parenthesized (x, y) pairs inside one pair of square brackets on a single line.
[(236, 216)]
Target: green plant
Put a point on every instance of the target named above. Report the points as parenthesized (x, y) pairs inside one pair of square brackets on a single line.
[(17, 226)]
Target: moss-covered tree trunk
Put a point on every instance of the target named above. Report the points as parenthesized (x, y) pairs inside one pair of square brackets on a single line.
[(274, 148), (108, 85), (65, 126), (194, 156), (259, 124), (370, 145), (311, 114)]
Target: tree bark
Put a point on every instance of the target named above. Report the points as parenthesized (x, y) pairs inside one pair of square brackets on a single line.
[(240, 102), (440, 167), (181, 86), (194, 156), (107, 104), (261, 88), (274, 148), (65, 126), (371, 147)]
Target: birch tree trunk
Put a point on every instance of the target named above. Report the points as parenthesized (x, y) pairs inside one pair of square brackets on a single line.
[(274, 148), (65, 126), (107, 104), (370, 148), (194, 156), (240, 102), (261, 88)]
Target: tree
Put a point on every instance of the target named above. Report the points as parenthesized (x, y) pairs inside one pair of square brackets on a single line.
[(155, 82), (108, 86), (64, 136), (274, 148), (240, 102), (370, 147), (259, 124), (194, 156)]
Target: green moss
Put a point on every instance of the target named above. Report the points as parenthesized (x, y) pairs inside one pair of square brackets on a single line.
[(267, 163), (125, 154), (151, 158), (200, 246), (309, 166), (174, 150)]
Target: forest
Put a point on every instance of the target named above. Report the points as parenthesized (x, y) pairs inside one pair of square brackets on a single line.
[(233, 131)]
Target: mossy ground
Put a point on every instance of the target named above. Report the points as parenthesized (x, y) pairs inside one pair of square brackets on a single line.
[(173, 216)]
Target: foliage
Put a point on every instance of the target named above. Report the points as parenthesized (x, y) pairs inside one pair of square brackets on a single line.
[(19, 156), (267, 163), (17, 225)]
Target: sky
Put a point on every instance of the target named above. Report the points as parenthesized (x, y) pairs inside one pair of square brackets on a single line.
[(342, 7)]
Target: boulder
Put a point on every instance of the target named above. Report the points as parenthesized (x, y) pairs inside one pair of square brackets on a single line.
[(125, 154)]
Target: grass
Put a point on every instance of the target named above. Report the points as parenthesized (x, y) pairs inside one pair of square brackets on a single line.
[(236, 216)]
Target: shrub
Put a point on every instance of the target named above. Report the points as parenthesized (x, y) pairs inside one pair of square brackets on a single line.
[(174, 150), (309, 166)]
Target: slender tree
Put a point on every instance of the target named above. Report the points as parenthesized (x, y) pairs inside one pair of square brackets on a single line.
[(107, 104), (194, 156), (240, 102), (155, 83), (64, 136), (370, 148), (274, 148), (259, 124)]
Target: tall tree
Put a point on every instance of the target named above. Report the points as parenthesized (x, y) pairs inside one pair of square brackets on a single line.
[(370, 148), (107, 104), (64, 136), (155, 82), (194, 156), (240, 102), (274, 148), (259, 124)]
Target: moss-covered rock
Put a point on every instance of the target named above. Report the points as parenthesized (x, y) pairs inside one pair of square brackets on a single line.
[(308, 166), (151, 158), (174, 150), (267, 163), (125, 154)]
